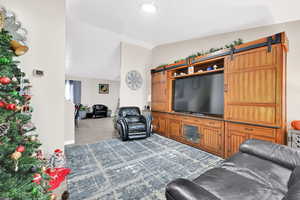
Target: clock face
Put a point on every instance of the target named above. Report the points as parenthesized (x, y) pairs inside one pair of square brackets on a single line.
[(134, 80)]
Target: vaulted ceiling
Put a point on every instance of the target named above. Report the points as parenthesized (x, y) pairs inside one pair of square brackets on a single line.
[(95, 28)]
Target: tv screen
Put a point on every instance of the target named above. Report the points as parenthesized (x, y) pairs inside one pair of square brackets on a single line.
[(200, 94)]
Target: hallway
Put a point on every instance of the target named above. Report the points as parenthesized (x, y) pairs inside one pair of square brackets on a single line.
[(94, 130)]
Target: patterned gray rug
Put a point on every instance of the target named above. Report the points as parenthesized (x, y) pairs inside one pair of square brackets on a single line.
[(140, 169)]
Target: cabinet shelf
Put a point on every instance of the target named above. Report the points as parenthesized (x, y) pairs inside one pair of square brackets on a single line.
[(199, 73)]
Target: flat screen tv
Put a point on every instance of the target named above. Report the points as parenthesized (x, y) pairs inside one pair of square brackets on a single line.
[(200, 94)]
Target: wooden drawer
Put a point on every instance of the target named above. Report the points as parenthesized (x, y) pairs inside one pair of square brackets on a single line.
[(253, 130), (211, 123)]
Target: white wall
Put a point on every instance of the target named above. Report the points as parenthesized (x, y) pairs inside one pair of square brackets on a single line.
[(134, 58), (90, 92), (45, 22), (171, 52), (69, 123)]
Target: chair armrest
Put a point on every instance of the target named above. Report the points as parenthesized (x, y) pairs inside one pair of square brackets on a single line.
[(280, 154), (123, 124), (147, 121), (183, 189)]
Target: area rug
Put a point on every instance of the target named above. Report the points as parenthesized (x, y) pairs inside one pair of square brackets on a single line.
[(134, 170)]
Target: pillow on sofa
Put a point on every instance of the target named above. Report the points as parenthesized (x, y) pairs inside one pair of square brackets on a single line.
[(295, 177)]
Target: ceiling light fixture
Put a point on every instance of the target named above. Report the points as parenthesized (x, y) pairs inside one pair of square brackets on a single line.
[(149, 8)]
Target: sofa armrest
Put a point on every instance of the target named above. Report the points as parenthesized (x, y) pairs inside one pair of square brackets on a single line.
[(280, 154), (293, 193), (183, 189)]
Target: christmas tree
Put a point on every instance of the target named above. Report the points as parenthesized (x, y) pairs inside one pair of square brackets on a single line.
[(22, 171)]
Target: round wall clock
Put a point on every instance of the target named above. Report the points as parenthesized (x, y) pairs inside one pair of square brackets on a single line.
[(134, 80)]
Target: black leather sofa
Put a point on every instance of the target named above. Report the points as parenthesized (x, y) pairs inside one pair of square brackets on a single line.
[(131, 124), (99, 110), (260, 171)]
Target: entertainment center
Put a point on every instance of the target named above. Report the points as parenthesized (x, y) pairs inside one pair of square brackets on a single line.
[(217, 101)]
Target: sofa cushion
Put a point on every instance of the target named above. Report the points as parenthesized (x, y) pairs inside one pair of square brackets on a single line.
[(295, 177), (132, 119), (280, 154), (136, 127), (253, 178), (267, 173), (228, 185)]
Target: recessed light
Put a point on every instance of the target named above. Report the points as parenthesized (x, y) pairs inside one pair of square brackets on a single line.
[(149, 8)]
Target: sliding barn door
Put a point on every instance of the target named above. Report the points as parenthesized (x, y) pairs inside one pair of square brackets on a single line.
[(159, 92), (252, 86)]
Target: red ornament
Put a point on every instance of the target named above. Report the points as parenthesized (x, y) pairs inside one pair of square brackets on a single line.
[(2, 104), (37, 178), (20, 149), (11, 106), (5, 80)]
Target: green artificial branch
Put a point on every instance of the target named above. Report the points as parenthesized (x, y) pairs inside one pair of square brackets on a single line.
[(16, 174), (212, 50)]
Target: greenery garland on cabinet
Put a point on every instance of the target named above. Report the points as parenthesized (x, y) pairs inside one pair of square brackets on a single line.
[(212, 50)]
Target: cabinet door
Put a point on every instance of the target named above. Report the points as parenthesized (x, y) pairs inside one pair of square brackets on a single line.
[(163, 126), (212, 139), (236, 134), (251, 79), (159, 101), (191, 133), (174, 128), (233, 140), (155, 123)]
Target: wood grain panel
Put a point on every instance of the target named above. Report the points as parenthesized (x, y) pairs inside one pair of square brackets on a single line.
[(159, 92), (253, 114), (163, 126), (236, 134), (251, 93), (233, 141), (212, 139), (174, 128)]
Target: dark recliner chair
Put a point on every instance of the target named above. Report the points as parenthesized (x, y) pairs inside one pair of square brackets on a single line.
[(131, 124), (99, 110), (261, 170)]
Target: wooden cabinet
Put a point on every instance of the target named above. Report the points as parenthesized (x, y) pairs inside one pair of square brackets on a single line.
[(155, 122), (191, 133), (252, 92), (205, 134), (236, 134), (163, 126), (159, 123), (174, 129), (254, 97), (212, 139), (160, 92)]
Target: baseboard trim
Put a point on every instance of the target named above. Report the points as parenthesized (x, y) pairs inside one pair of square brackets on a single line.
[(69, 142)]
